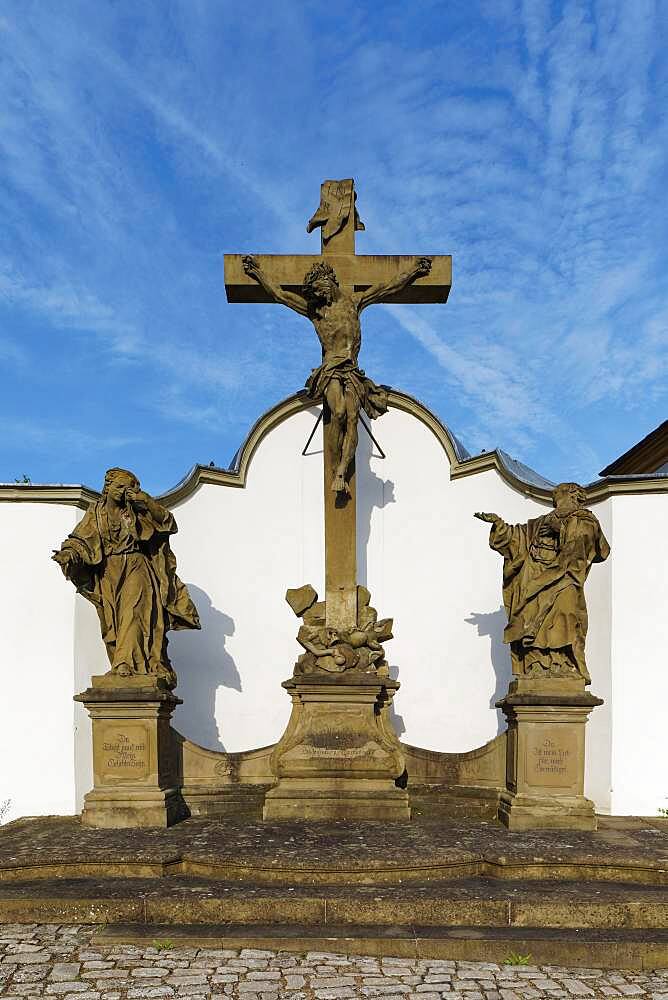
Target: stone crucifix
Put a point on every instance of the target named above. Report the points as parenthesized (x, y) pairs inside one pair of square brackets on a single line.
[(331, 290)]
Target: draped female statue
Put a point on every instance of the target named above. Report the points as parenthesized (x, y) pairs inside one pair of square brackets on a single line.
[(119, 558)]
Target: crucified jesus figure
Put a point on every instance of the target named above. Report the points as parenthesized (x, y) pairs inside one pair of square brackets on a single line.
[(335, 314)]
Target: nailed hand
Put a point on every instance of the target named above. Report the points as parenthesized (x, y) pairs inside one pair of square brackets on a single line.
[(250, 265)]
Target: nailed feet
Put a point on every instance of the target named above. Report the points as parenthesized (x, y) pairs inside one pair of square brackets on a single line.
[(339, 484)]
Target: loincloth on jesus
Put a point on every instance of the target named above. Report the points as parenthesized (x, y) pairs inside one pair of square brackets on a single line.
[(372, 397)]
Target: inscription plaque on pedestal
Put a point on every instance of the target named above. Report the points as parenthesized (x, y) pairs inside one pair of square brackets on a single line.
[(551, 757), (123, 752)]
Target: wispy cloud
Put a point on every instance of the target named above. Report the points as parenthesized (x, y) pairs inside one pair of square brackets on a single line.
[(546, 194), (527, 139), (67, 307), (41, 435)]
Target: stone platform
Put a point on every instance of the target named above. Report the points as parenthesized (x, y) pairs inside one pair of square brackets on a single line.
[(624, 849), (459, 890)]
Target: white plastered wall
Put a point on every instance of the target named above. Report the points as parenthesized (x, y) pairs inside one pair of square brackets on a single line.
[(36, 658), (640, 655), (420, 552), (238, 550), (427, 563), (598, 590)]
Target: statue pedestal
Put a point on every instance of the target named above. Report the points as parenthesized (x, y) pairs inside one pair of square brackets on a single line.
[(339, 757), (546, 756), (134, 761)]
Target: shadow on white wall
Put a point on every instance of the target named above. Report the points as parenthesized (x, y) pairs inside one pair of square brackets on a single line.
[(372, 492), (396, 720), (203, 665), (492, 624)]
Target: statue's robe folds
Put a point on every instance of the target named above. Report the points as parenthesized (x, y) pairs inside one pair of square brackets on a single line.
[(128, 571), (544, 572)]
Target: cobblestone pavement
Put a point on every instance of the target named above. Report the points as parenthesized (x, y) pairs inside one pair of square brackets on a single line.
[(60, 963)]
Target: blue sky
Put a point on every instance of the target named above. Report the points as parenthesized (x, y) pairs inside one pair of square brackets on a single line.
[(141, 141)]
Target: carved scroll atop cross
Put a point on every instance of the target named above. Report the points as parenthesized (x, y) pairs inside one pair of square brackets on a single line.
[(337, 200)]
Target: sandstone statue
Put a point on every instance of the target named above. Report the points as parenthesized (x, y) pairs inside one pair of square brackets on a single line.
[(546, 563), (119, 558), (335, 314), (335, 651)]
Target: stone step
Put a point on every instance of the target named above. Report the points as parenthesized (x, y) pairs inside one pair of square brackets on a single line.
[(482, 902), (463, 803), (434, 801), (616, 948)]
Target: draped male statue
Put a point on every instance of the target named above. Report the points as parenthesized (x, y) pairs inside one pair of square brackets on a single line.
[(119, 558), (546, 563)]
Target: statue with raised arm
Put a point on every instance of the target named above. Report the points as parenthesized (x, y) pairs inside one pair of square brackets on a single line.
[(119, 558), (546, 563), (335, 314)]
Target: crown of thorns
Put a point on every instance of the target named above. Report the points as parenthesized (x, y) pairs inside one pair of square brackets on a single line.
[(319, 270)]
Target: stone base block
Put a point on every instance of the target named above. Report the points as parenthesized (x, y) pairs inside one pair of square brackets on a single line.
[(135, 781), (332, 799), (122, 808), (527, 812), (339, 757), (230, 802), (545, 759)]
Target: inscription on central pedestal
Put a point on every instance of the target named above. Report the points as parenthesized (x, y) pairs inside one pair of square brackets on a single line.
[(125, 752), (343, 753), (551, 758)]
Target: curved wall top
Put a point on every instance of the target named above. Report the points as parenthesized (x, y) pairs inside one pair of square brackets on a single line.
[(519, 476)]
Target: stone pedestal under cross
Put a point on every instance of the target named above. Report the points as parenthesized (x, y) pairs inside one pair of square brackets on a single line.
[(338, 219)]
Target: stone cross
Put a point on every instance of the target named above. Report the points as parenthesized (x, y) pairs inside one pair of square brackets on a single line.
[(338, 219)]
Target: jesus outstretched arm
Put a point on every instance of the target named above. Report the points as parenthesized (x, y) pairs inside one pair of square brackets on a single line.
[(384, 290), (290, 299)]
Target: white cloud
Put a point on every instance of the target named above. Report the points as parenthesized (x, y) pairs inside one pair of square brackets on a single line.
[(43, 436), (529, 140)]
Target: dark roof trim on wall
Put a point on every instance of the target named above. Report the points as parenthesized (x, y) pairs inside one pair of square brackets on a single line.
[(647, 456)]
